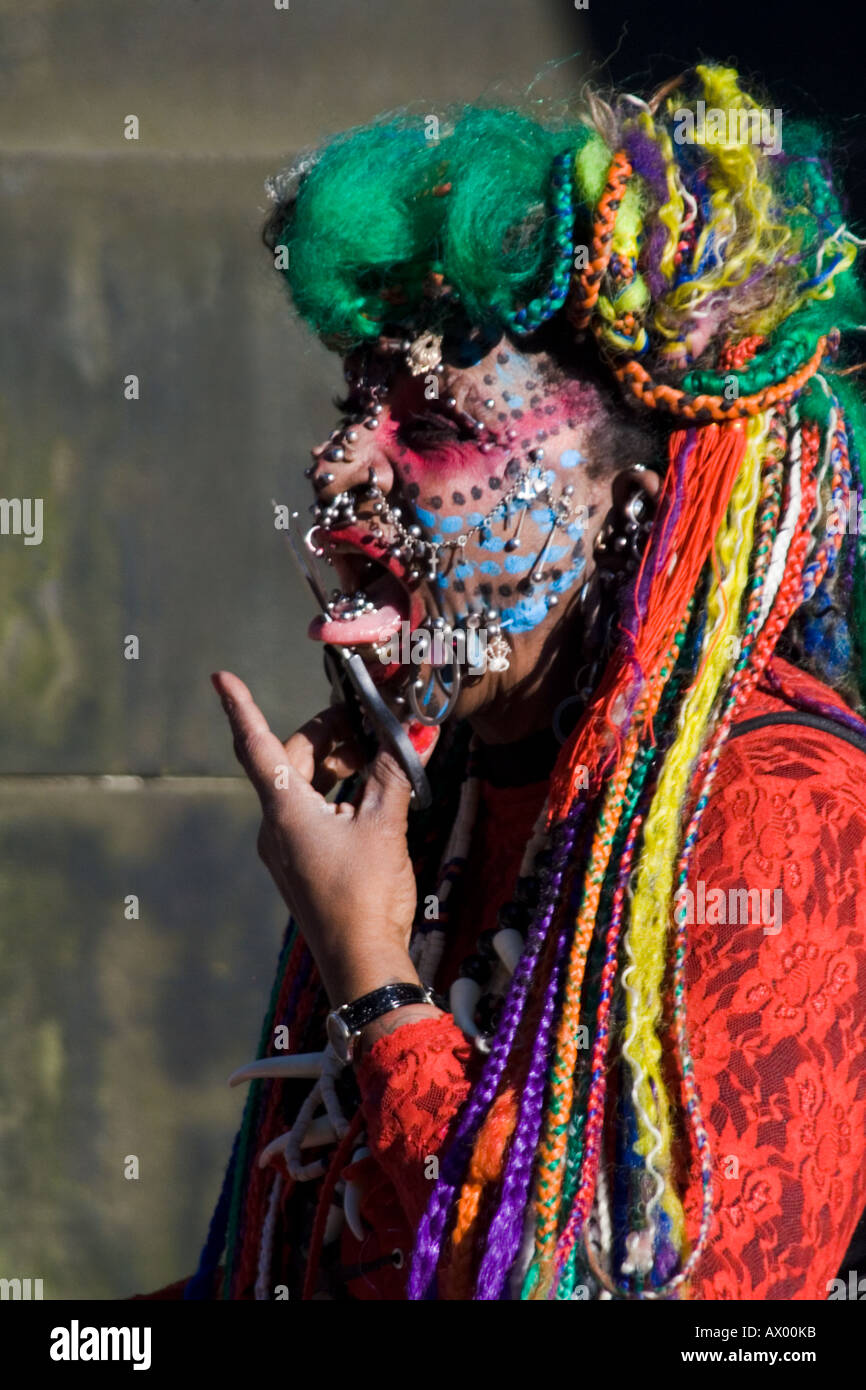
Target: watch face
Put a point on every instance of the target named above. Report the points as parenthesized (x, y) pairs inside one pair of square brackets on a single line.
[(339, 1036)]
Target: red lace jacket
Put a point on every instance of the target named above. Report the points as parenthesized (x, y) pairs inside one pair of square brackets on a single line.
[(777, 1020)]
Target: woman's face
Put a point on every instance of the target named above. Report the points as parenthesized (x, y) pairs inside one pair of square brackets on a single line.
[(505, 470)]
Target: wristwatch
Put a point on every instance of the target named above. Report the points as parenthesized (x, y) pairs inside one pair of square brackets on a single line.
[(344, 1025)]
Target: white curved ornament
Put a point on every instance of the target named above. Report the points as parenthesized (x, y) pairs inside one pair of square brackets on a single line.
[(334, 1224), (508, 945), (463, 997), (319, 1131), (352, 1199), (297, 1065)]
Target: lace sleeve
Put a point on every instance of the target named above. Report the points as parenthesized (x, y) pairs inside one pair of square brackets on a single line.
[(412, 1083)]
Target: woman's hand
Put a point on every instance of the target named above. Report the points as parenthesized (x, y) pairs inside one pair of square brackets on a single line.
[(343, 870)]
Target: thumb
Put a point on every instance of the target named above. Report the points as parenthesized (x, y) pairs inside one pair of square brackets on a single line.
[(387, 790)]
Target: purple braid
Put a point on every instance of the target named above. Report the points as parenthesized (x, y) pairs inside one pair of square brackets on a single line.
[(811, 704), (847, 578), (506, 1229), (431, 1229)]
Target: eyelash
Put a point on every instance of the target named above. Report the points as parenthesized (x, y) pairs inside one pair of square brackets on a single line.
[(430, 430), (417, 431)]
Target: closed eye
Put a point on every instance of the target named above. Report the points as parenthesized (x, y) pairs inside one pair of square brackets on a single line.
[(429, 431)]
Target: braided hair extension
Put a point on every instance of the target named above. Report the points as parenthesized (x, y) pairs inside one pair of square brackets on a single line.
[(711, 275)]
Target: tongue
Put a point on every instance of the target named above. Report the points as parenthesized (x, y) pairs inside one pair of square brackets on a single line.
[(377, 625)]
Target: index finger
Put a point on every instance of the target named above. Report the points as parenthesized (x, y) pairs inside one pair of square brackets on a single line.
[(260, 753)]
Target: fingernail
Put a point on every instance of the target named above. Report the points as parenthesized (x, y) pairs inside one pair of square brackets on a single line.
[(421, 735)]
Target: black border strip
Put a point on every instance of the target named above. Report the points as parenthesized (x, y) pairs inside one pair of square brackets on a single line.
[(811, 721)]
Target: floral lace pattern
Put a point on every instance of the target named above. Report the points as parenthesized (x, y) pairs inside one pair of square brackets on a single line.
[(777, 1022)]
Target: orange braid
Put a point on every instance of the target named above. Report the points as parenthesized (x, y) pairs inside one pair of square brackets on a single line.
[(586, 286), (711, 472), (704, 408), (485, 1169)]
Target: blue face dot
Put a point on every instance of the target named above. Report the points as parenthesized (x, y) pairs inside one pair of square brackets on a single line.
[(493, 543), (428, 519), (570, 458), (518, 564), (531, 610), (449, 524), (464, 571), (559, 586), (490, 567)]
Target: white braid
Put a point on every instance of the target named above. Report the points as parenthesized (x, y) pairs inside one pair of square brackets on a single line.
[(785, 533), (266, 1244)]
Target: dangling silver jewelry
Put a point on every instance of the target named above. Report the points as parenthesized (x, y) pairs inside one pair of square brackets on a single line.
[(450, 692), (498, 654), (424, 354)]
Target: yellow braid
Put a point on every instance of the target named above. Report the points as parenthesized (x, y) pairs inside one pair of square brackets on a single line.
[(647, 936)]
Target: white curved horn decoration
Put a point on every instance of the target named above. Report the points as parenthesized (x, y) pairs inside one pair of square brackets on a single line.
[(463, 997), (508, 945), (301, 1064)]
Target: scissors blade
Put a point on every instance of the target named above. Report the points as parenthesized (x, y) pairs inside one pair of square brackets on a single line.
[(297, 546)]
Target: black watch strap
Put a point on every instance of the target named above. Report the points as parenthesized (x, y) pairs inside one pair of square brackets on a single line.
[(381, 1001)]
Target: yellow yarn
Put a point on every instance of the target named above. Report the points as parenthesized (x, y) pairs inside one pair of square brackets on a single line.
[(647, 936), (740, 232)]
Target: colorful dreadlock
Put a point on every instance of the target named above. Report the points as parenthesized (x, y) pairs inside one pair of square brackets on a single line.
[(714, 276)]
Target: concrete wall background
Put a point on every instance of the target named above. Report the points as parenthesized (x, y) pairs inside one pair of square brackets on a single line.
[(116, 776)]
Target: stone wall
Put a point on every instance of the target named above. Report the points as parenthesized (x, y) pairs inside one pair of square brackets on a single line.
[(116, 776)]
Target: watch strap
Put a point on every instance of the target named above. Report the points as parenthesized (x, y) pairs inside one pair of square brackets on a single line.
[(371, 1006)]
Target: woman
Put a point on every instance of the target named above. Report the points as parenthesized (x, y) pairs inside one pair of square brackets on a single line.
[(598, 418)]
